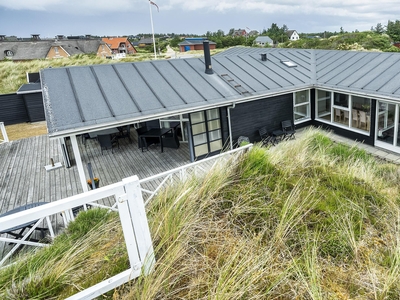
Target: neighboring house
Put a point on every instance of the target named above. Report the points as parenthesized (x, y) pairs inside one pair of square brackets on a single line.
[(396, 45), (253, 33), (194, 44), (292, 35), (263, 41), (232, 94), (143, 42), (120, 45), (239, 32), (48, 49)]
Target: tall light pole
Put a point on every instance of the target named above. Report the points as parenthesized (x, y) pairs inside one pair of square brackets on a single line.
[(152, 27)]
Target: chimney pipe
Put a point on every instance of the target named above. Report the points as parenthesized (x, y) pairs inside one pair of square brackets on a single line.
[(264, 56), (207, 57)]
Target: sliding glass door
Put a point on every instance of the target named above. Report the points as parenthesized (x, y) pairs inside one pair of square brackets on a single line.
[(206, 132)]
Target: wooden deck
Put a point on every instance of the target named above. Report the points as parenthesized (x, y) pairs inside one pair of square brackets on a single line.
[(23, 178)]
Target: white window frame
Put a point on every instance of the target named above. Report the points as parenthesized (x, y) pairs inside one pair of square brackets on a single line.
[(307, 103)]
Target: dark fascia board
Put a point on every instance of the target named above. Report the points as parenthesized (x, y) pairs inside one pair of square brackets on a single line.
[(29, 88)]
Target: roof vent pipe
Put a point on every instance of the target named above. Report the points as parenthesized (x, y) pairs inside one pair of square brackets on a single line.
[(264, 56), (207, 57)]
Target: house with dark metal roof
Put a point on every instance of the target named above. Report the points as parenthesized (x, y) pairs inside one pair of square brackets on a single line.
[(232, 94), (194, 44)]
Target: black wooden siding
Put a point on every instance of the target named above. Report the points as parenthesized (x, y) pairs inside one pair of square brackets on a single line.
[(15, 108), (34, 107), (247, 118)]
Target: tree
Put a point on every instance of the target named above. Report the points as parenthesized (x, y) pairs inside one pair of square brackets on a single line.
[(379, 28), (278, 35), (393, 30)]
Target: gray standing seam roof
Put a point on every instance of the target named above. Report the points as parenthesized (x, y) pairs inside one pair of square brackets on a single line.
[(88, 98)]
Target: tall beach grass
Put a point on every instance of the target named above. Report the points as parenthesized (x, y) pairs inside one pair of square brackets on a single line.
[(306, 219)]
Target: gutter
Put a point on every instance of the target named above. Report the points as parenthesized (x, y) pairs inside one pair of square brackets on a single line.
[(229, 124)]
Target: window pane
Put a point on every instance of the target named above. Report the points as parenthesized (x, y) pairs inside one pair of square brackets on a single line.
[(214, 135), (213, 125), (301, 97), (341, 100), (200, 139), (216, 145), (301, 112), (199, 128), (197, 117), (200, 150), (386, 116), (360, 113), (213, 114), (324, 105), (341, 116)]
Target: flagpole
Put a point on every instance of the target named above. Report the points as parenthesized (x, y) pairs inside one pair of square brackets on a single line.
[(152, 30)]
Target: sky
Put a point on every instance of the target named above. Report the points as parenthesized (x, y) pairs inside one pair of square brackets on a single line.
[(49, 18)]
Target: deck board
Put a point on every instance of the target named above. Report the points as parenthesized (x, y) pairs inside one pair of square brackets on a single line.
[(23, 178)]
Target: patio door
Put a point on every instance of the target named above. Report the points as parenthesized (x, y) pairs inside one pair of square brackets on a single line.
[(206, 132), (387, 125)]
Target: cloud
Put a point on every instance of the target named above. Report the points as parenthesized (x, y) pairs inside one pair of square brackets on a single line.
[(341, 7)]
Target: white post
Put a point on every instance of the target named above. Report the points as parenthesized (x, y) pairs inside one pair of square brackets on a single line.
[(79, 164), (134, 211), (152, 30), (4, 132)]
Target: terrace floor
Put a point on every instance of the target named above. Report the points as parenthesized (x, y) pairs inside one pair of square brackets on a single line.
[(23, 178)]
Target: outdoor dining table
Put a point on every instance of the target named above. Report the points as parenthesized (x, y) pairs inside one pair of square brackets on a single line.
[(279, 134), (109, 131), (154, 132)]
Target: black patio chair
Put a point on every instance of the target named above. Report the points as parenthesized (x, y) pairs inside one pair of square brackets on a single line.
[(107, 142), (171, 140), (289, 129), (125, 132), (266, 137)]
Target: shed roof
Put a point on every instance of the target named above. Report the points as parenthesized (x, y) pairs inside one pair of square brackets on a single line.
[(80, 99)]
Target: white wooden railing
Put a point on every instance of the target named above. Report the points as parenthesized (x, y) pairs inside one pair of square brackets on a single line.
[(184, 172), (3, 133), (130, 204)]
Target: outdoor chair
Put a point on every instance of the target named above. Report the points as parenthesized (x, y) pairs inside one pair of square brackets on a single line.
[(288, 129), (85, 136), (266, 137), (125, 132), (107, 142), (171, 140), (354, 114)]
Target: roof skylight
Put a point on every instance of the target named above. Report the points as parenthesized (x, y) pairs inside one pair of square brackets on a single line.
[(289, 63)]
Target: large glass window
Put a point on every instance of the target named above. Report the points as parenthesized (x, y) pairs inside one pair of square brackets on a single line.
[(341, 112), (301, 106), (386, 122), (360, 113), (206, 131), (343, 109), (323, 104)]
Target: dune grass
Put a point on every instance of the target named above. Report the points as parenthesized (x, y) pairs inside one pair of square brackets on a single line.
[(306, 219)]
